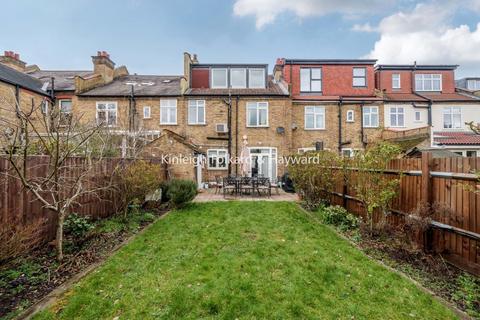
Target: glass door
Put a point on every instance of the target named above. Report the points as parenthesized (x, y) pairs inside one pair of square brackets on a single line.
[(263, 162)]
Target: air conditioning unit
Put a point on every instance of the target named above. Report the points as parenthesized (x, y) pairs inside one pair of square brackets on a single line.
[(221, 128)]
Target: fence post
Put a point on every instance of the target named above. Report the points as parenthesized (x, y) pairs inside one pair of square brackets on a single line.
[(426, 196)]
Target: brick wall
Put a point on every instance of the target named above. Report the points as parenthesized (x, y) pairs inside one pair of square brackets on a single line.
[(384, 80)]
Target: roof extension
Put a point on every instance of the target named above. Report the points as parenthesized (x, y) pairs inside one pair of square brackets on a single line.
[(144, 86), (21, 79), (416, 67), (332, 61)]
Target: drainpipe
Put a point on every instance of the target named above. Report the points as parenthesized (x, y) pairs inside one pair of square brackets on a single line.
[(362, 132), (236, 133), (340, 103), (228, 102)]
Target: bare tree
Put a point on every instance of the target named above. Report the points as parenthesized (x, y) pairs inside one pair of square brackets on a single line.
[(43, 129)]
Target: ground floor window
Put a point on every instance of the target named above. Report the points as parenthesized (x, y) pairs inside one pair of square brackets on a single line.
[(263, 162), (217, 159), (467, 153)]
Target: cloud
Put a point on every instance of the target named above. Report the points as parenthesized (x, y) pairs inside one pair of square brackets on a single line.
[(366, 27), (425, 35), (266, 11)]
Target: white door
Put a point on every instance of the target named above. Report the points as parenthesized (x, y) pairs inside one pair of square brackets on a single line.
[(263, 162)]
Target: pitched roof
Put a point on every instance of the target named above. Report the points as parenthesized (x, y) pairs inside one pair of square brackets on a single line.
[(64, 80), (21, 79), (456, 138), (273, 88), (435, 97), (404, 97), (144, 85)]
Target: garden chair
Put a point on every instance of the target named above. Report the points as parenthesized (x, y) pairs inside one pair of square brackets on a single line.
[(229, 185), (264, 186), (275, 184), (246, 185), (218, 184)]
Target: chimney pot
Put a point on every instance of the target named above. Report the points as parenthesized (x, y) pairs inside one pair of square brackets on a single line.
[(17, 56)]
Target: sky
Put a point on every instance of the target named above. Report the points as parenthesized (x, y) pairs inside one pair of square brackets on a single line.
[(149, 37)]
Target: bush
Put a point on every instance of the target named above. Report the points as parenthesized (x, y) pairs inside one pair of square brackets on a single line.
[(338, 216), (180, 192), (77, 226), (18, 240), (137, 180), (164, 186)]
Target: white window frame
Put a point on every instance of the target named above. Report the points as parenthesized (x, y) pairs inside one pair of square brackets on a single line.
[(145, 112), (168, 109), (262, 86), (64, 114), (419, 116), (317, 110), (351, 150), (244, 79), (369, 114), (350, 116), (396, 81), (311, 80), (364, 77), (476, 85), (428, 77), (259, 105), (195, 104), (395, 111), (107, 111), (209, 167), (451, 111), (218, 86)]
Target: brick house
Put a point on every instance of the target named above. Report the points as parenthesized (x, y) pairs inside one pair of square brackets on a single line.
[(423, 99), (19, 91), (334, 103)]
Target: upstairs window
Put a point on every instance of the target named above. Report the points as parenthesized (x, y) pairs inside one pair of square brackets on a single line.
[(196, 112), (256, 78), (168, 111), (238, 78), (257, 114), (428, 82), (350, 116), (107, 114), (311, 79), (219, 78), (396, 81), (370, 117), (418, 116), (452, 118), (217, 159), (397, 117), (473, 84), (146, 112), (65, 112), (359, 77), (314, 118)]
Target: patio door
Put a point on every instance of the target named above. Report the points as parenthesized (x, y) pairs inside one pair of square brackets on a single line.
[(263, 162)]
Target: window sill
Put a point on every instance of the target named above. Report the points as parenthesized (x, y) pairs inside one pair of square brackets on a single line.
[(350, 121), (217, 169), (257, 127), (314, 129), (168, 124), (371, 127), (197, 124)]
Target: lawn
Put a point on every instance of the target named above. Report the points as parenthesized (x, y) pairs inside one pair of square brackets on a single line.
[(243, 260)]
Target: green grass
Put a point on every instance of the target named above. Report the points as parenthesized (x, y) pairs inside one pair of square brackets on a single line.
[(245, 260)]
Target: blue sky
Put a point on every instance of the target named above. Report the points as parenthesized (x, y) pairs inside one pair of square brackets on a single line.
[(149, 37)]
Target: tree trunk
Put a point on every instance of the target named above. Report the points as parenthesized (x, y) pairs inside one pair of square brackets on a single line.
[(59, 235)]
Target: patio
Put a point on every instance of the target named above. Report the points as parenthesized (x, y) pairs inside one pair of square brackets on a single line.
[(207, 195)]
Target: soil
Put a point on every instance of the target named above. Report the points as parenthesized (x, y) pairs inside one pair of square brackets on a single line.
[(27, 280)]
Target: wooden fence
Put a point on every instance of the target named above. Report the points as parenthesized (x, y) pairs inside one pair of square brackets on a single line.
[(445, 184), (19, 207)]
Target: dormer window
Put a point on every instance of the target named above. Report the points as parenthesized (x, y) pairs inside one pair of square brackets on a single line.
[(238, 77), (396, 81), (473, 84), (256, 78), (311, 80), (359, 77), (219, 78), (428, 82)]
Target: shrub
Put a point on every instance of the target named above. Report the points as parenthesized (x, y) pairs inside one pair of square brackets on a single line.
[(314, 178), (77, 226), (137, 180), (164, 186), (18, 240), (180, 192), (338, 216)]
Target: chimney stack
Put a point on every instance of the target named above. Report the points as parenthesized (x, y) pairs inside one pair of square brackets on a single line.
[(12, 59), (104, 66)]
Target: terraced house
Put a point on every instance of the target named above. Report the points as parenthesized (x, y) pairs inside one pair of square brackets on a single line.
[(211, 110), (422, 100)]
